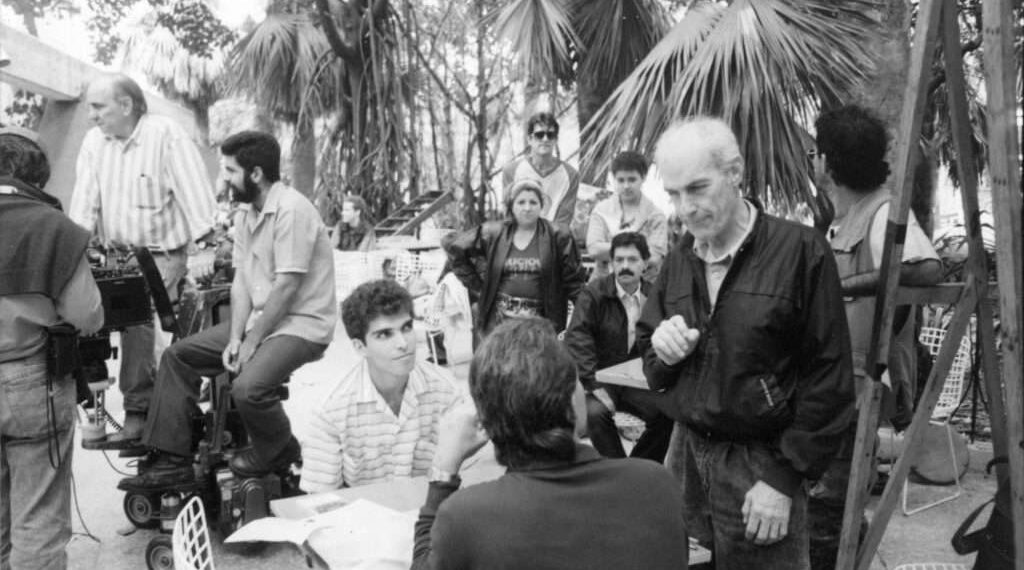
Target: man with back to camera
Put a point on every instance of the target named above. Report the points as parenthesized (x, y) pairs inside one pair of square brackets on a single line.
[(140, 181), (560, 505), (746, 330), (282, 316), (627, 210), (381, 421), (850, 166), (603, 334), (44, 280)]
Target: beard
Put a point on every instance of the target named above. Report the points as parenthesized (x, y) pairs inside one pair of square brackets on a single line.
[(247, 193)]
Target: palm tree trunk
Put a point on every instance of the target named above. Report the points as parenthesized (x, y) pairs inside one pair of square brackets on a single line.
[(304, 161)]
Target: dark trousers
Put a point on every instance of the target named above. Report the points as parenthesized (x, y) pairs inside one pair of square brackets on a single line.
[(643, 404), (826, 503), (254, 390), (716, 476)]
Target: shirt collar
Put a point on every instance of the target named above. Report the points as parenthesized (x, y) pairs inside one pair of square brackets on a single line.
[(132, 138), (702, 249), (622, 294), (368, 393)]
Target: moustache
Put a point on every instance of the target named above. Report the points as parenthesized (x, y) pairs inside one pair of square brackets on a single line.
[(627, 273)]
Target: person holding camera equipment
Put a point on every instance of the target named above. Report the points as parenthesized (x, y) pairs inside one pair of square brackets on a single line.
[(46, 292), (140, 181)]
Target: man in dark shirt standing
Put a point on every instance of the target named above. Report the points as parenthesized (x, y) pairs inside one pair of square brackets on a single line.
[(603, 334), (745, 328), (560, 505)]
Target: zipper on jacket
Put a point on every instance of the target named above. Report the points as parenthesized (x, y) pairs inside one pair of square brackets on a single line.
[(767, 393)]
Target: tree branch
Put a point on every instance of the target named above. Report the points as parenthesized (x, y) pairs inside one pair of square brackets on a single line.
[(346, 52), (437, 80)]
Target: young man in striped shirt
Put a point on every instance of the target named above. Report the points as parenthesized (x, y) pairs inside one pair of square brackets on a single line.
[(141, 182), (381, 421)]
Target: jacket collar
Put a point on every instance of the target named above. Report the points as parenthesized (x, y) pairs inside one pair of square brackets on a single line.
[(584, 454), (26, 190), (606, 286)]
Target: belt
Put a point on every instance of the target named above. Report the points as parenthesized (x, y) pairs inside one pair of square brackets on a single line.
[(164, 251), (518, 304)]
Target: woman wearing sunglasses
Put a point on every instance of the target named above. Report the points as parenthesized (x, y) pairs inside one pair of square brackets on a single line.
[(522, 267), (559, 181)]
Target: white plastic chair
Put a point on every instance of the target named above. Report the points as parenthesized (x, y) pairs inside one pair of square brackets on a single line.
[(949, 401), (191, 539), (931, 566)]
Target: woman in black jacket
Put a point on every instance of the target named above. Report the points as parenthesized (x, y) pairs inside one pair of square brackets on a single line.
[(524, 266)]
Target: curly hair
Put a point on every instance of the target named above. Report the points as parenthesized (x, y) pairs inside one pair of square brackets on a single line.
[(370, 300), (522, 380), (854, 142), (630, 161), (22, 158)]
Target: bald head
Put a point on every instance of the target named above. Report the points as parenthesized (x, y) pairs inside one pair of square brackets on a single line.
[(116, 103)]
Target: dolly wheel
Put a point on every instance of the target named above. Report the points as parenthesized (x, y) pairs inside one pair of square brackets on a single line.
[(160, 553), (142, 509)]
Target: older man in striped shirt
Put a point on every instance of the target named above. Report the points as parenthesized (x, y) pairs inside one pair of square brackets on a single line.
[(381, 421), (140, 181)]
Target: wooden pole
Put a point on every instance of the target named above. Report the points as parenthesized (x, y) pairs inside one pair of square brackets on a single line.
[(912, 116), (977, 264), (1000, 78)]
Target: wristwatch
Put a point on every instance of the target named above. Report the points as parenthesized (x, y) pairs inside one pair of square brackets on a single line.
[(437, 475)]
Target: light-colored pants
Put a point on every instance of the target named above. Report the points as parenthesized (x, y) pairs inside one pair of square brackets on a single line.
[(35, 497), (142, 346)]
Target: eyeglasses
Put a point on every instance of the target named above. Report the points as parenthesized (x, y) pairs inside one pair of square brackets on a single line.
[(541, 135)]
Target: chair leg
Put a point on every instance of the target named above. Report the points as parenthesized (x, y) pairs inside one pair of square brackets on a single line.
[(956, 480)]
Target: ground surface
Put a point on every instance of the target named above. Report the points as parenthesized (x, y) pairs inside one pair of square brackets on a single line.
[(923, 537)]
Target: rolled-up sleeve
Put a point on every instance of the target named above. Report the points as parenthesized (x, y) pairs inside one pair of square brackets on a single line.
[(188, 181)]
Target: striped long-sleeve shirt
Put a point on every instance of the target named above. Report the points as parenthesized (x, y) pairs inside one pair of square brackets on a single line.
[(356, 439), (150, 189)]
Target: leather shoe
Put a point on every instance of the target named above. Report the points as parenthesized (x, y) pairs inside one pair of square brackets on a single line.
[(163, 471), (246, 464), (134, 422)]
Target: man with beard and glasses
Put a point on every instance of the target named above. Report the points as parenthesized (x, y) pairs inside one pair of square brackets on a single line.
[(603, 334), (283, 313)]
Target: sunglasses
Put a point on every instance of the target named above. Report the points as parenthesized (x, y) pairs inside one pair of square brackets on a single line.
[(541, 135)]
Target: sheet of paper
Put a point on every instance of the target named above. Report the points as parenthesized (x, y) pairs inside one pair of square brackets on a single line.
[(364, 535), (274, 529)]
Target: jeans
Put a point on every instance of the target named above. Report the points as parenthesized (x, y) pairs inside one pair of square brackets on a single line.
[(35, 497), (643, 404), (254, 390), (142, 345), (716, 475)]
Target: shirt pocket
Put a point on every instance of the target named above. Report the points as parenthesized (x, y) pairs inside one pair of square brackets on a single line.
[(147, 193)]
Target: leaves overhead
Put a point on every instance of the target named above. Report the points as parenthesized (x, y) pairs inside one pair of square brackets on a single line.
[(542, 36), (764, 66)]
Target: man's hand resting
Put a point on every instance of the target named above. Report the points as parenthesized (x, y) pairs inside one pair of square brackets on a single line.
[(766, 514), (674, 340)]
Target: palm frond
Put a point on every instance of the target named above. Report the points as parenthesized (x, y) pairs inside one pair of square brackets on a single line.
[(618, 34), (764, 66), (541, 34), (263, 64)]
